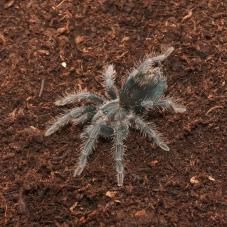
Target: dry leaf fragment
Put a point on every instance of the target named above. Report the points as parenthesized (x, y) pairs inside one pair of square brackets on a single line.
[(111, 194), (34, 129), (193, 180), (117, 201), (62, 30), (43, 52), (125, 38), (79, 39), (140, 213), (9, 4), (73, 206), (15, 113), (211, 178)]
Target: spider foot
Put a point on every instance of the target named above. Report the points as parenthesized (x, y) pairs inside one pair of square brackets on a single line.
[(164, 146), (120, 179), (78, 171)]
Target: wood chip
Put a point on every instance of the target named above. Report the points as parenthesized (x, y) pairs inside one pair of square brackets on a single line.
[(34, 129), (31, 130), (153, 163), (62, 30), (125, 38), (111, 194), (117, 201), (140, 213), (73, 206), (211, 178), (9, 4), (2, 39), (193, 180), (64, 64), (79, 39)]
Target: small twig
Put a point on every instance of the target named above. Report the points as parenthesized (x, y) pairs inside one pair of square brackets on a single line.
[(41, 88), (187, 16), (213, 108), (122, 55), (58, 5), (21, 203)]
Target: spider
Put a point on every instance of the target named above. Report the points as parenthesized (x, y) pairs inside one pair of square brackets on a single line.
[(113, 116)]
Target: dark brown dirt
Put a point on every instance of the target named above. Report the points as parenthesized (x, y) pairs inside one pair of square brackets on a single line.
[(185, 187)]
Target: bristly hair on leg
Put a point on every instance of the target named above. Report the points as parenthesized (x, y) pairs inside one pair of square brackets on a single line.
[(77, 97), (63, 120), (109, 78), (150, 132), (165, 103), (149, 62), (93, 133), (83, 118), (109, 75), (120, 134), (70, 115)]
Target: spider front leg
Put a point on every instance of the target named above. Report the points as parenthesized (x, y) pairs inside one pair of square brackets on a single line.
[(120, 134), (93, 133)]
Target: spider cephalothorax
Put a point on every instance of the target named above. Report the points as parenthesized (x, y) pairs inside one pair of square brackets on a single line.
[(142, 90)]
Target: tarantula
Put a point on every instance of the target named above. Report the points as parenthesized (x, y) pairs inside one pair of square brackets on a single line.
[(142, 90)]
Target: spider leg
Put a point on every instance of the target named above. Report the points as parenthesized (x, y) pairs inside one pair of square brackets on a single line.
[(149, 62), (109, 77), (83, 118), (164, 103), (120, 133), (163, 56), (67, 117), (93, 133), (75, 97), (144, 82), (150, 132)]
